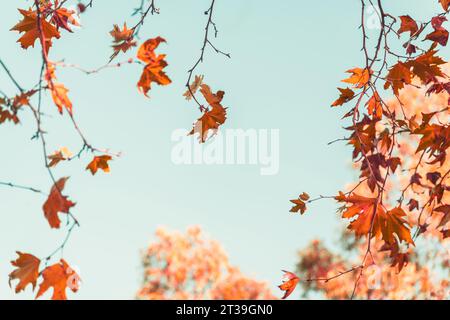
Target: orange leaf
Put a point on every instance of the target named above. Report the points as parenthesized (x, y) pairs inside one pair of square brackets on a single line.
[(359, 77), (374, 106), (153, 71), (99, 162), (397, 77), (193, 87), (445, 4), (408, 24), (60, 98), (123, 39), (345, 96), (299, 204), (290, 281), (27, 271), (440, 36), (62, 17), (372, 218), (56, 203), (212, 117), (29, 25), (59, 276), (60, 155)]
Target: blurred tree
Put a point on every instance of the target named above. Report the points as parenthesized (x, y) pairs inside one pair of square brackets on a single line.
[(192, 266)]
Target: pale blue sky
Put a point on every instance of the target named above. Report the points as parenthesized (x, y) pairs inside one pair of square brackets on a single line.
[(287, 59)]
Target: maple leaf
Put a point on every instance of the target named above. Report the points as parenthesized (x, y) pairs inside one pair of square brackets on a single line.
[(56, 203), (212, 117), (22, 99), (99, 162), (346, 95), (445, 4), (123, 39), (60, 98), (58, 276), (63, 18), (299, 204), (370, 217), (440, 36), (58, 156), (426, 67), (290, 281), (399, 75), (408, 24), (29, 25), (193, 87), (359, 77), (374, 106), (27, 271), (445, 210), (153, 71)]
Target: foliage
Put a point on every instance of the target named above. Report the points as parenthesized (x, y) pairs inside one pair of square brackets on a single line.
[(192, 266)]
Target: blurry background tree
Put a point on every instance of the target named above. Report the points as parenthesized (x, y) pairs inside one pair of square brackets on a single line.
[(425, 272), (192, 266)]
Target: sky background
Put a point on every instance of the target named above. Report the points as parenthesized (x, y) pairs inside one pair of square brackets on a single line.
[(287, 60)]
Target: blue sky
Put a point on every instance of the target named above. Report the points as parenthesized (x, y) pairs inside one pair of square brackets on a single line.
[(287, 60)]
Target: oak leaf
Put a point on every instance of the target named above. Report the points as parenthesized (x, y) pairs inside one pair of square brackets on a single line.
[(27, 271)]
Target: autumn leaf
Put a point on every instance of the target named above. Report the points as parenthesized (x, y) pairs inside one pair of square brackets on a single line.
[(27, 271), (123, 39), (374, 106), (445, 210), (212, 117), (58, 156), (359, 77), (345, 96), (193, 87), (290, 281), (23, 99), (445, 4), (369, 217), (59, 276), (99, 162), (440, 36), (397, 77), (153, 71), (60, 98), (63, 18), (56, 203), (29, 25), (299, 204), (408, 24)]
